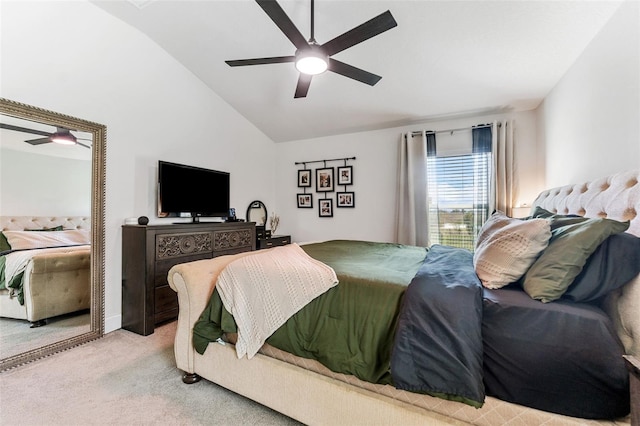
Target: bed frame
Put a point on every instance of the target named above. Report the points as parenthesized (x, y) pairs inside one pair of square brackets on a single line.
[(313, 398), (55, 283)]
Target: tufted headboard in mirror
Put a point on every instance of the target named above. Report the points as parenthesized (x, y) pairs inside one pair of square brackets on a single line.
[(19, 223), (615, 197)]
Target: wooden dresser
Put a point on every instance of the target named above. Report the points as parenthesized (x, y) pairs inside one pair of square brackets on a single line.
[(148, 252)]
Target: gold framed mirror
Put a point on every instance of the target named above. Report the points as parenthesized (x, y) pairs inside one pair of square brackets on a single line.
[(11, 111)]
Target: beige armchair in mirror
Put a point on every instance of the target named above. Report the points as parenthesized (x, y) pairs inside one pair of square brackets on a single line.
[(52, 179)]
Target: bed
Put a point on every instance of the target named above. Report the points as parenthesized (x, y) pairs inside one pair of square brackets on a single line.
[(308, 391), (46, 272)]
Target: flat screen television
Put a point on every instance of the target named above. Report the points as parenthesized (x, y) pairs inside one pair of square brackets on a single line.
[(192, 191)]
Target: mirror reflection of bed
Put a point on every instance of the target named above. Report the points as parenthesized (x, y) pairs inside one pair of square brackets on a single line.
[(45, 211)]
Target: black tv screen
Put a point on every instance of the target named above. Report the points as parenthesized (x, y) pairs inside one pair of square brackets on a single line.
[(187, 190)]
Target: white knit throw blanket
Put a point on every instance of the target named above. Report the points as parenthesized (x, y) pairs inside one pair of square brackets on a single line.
[(263, 290)]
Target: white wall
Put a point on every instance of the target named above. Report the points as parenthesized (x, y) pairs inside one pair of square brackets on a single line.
[(375, 178), (590, 122), (42, 185), (74, 58)]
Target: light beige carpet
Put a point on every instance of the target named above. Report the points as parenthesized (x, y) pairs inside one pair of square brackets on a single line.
[(17, 336), (121, 379)]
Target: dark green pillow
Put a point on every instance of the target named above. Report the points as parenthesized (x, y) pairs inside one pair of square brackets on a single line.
[(55, 228), (4, 244), (573, 240)]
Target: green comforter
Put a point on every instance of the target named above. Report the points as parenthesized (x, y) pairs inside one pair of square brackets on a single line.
[(15, 284), (344, 337)]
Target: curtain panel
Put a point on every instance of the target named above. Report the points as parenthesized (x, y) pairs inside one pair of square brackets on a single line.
[(412, 217), (504, 185)]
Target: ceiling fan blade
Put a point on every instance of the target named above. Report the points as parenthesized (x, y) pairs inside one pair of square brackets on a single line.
[(304, 81), (371, 28), (38, 141), (261, 61), (280, 18), (353, 72), (24, 129)]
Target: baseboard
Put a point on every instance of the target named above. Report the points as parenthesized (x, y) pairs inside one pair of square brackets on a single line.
[(112, 323)]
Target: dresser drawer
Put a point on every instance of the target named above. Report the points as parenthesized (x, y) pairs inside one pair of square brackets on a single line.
[(278, 240)]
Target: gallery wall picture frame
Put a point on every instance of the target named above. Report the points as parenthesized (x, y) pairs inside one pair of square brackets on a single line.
[(304, 178), (345, 175), (325, 179), (346, 199), (305, 201), (325, 207)]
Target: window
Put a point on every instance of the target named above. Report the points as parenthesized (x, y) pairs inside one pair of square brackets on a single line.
[(458, 195)]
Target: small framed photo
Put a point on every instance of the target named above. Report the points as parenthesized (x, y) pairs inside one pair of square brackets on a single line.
[(325, 207), (304, 178), (346, 199), (325, 180), (345, 175), (305, 201)]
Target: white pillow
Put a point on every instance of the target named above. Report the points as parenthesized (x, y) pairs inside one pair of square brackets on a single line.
[(507, 247), (21, 240)]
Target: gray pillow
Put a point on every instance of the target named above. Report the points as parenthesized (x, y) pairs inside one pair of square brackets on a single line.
[(506, 248)]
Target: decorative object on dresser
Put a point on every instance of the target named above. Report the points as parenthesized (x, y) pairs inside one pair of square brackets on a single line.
[(257, 212), (274, 222), (148, 252)]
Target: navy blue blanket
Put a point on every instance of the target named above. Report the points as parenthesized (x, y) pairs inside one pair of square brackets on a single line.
[(438, 344)]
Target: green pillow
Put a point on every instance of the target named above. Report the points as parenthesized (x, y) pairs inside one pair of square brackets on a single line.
[(573, 240), (55, 228), (4, 244)]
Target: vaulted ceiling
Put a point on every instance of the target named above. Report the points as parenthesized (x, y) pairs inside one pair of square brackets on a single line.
[(444, 59)]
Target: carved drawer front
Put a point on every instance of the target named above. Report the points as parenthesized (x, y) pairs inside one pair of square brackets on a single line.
[(177, 245), (226, 240)]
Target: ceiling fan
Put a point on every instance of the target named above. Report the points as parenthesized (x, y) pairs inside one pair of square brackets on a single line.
[(61, 136), (312, 58)]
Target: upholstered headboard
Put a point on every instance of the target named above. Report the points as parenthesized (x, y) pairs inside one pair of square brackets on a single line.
[(20, 223), (615, 197)]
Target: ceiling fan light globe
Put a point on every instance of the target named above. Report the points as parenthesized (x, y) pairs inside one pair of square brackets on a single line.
[(311, 64), (64, 139)]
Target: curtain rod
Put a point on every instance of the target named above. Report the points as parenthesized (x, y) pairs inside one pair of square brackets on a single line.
[(324, 161), (480, 126)]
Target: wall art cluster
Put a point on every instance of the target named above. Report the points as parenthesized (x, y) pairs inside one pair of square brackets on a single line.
[(327, 181)]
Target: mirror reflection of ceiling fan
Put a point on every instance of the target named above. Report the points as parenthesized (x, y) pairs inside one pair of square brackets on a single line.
[(61, 136)]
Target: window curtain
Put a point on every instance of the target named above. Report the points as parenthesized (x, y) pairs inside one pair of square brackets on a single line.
[(482, 145), (504, 185), (412, 217)]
